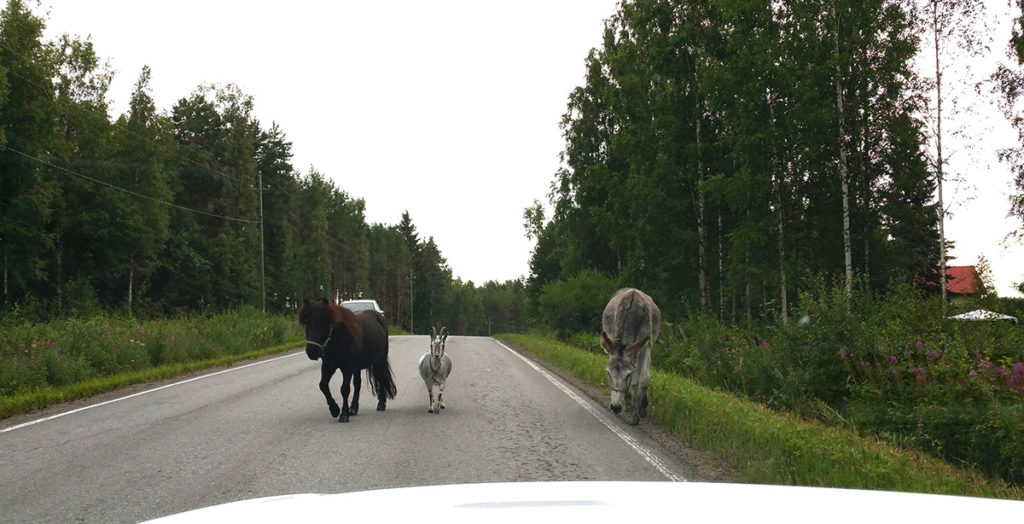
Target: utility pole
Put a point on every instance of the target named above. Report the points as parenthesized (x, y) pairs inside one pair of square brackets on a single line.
[(263, 288)]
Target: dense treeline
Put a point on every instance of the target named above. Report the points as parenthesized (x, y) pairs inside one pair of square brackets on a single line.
[(745, 162), (155, 213), (724, 154)]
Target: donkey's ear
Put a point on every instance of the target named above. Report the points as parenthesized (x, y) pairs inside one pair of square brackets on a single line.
[(444, 333), (635, 348), (433, 332), (607, 344)]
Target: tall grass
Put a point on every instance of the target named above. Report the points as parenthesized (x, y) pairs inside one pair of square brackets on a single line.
[(36, 357), (772, 447), (889, 366)]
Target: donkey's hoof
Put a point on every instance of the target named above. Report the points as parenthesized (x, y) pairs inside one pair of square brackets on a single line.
[(354, 410), (380, 407), (335, 411), (636, 420), (343, 418)]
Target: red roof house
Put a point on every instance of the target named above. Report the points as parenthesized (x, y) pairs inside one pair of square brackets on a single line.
[(962, 280)]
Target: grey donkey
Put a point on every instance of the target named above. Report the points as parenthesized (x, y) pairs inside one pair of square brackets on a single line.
[(629, 326)]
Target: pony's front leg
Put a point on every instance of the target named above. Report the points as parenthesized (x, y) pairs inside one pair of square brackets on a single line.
[(357, 383), (326, 373), (346, 379)]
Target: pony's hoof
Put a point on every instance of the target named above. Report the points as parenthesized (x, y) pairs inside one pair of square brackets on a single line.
[(335, 411)]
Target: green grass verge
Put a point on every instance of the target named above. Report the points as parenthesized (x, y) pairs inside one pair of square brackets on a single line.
[(768, 447), (47, 395)]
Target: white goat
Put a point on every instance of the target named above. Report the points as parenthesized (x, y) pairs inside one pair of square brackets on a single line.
[(435, 366)]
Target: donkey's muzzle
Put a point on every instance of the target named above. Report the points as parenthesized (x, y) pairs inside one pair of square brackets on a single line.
[(616, 408)]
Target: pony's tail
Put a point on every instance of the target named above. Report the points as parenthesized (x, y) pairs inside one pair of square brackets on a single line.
[(381, 379)]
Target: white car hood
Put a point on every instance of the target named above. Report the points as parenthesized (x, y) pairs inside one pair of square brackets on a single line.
[(612, 502)]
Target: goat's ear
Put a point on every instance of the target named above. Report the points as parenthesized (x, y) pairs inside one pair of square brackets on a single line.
[(635, 348), (607, 344)]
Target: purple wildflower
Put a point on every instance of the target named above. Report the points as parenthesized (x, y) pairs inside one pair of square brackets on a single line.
[(918, 344), (893, 359), (864, 364)]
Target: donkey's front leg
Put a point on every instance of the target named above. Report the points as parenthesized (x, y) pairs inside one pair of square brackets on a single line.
[(325, 386), (345, 389), (430, 395), (440, 391), (640, 400)]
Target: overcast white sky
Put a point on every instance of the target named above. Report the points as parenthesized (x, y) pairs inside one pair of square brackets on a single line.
[(449, 110)]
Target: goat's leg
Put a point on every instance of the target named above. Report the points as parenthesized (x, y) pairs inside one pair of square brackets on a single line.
[(430, 400)]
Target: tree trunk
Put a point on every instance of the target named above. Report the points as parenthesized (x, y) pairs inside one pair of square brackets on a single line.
[(780, 226), (702, 277), (721, 270), (843, 172), (59, 270), (938, 155), (131, 283)]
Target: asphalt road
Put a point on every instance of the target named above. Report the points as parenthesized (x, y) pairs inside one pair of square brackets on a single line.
[(262, 428)]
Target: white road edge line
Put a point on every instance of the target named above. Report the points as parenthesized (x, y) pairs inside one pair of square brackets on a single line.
[(642, 450), (111, 401)]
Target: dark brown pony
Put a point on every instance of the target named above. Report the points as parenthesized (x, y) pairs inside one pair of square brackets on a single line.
[(349, 342)]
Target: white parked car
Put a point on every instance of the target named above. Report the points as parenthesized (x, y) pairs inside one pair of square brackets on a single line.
[(362, 304)]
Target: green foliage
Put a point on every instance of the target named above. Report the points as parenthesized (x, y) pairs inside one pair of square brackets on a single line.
[(65, 352), (159, 213), (701, 154), (576, 304), (886, 365), (771, 447)]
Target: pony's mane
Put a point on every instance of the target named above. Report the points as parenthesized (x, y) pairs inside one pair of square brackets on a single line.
[(338, 316)]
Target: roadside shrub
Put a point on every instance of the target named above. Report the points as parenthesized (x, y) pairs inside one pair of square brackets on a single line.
[(60, 353), (892, 366), (576, 304)]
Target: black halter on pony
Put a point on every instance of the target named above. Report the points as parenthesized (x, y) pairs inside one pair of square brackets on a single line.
[(323, 314)]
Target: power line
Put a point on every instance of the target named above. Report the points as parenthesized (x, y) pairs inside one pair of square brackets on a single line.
[(128, 191)]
